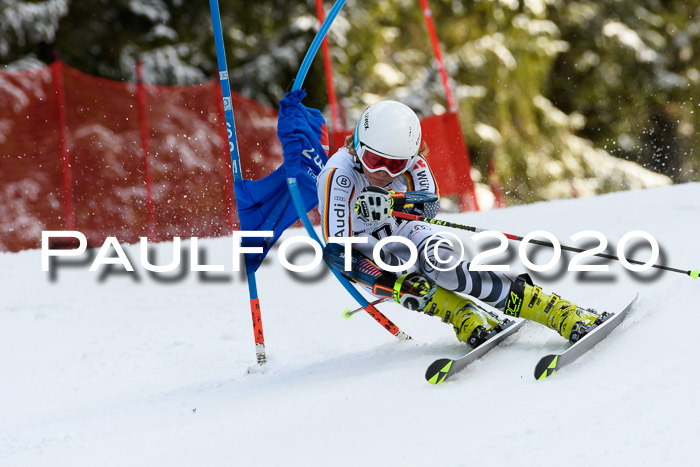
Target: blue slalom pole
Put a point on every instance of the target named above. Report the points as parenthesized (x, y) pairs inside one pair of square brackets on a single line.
[(293, 186), (315, 44), (236, 167)]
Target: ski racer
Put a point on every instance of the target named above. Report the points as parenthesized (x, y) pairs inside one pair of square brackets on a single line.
[(383, 161)]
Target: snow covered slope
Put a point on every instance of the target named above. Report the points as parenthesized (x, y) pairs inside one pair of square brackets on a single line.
[(125, 369)]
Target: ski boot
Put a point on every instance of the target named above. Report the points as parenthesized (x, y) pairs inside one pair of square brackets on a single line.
[(471, 324), (526, 300)]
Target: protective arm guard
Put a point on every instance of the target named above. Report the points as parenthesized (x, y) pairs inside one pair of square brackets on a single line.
[(420, 203)]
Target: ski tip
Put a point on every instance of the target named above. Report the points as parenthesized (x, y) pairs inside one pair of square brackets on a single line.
[(694, 274), (438, 370), (546, 367)]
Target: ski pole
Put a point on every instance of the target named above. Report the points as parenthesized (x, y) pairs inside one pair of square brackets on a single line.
[(347, 313), (413, 217)]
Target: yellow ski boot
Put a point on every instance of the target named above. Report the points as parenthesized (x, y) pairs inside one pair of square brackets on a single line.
[(471, 323), (527, 300)]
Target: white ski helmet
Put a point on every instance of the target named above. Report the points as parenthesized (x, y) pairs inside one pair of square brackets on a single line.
[(391, 130)]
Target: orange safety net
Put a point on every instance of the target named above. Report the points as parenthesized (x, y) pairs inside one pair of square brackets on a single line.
[(127, 160), (31, 198), (110, 140)]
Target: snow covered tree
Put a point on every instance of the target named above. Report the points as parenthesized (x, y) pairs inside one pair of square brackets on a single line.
[(632, 70), (27, 28)]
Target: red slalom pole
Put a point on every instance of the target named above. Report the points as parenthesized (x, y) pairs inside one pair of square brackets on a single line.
[(469, 200), (61, 121), (145, 149), (427, 14)]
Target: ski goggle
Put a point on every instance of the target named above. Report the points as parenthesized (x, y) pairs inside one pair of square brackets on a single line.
[(375, 161)]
